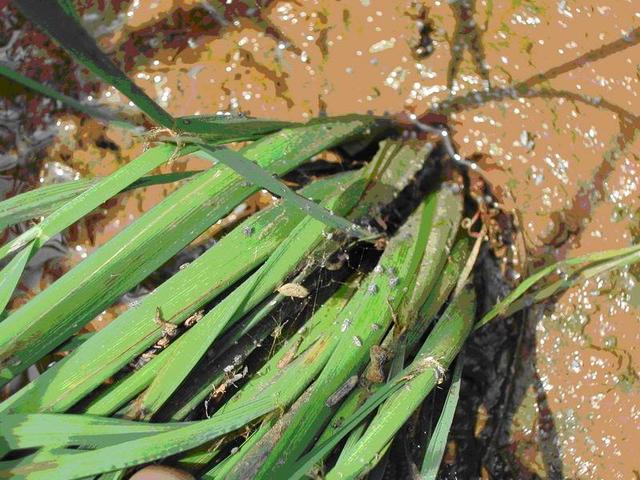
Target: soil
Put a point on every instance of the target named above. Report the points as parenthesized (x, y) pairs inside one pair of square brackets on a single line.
[(542, 94)]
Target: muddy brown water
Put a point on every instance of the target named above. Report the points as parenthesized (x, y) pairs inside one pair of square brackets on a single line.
[(552, 393)]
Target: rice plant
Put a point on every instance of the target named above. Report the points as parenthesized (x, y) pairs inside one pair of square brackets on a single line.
[(200, 374)]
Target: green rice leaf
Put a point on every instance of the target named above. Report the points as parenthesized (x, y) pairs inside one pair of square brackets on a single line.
[(82, 204), (59, 430), (377, 299), (183, 285), (100, 113), (10, 275), (298, 246), (44, 200), (402, 161), (321, 450), (66, 466), (590, 270), (621, 256), (298, 343), (143, 246), (60, 24), (236, 341), (41, 455), (443, 288), (219, 129), (422, 376), (442, 234), (260, 177), (183, 294), (434, 357), (438, 441), (222, 469), (69, 213), (447, 216), (289, 371)]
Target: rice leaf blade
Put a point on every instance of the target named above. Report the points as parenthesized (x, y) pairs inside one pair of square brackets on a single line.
[(298, 245), (220, 129), (60, 24), (438, 441), (67, 466), (59, 430), (402, 258), (435, 355), (449, 330), (135, 252), (298, 343), (260, 177), (44, 200), (403, 161), (11, 273), (80, 205), (136, 330), (628, 254), (99, 113), (302, 467)]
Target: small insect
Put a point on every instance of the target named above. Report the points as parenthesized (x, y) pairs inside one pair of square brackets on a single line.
[(394, 315), (277, 331), (375, 372), (380, 243), (230, 380), (425, 363), (342, 392), (346, 323), (291, 353), (169, 330), (143, 359), (294, 290), (193, 319), (356, 341)]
